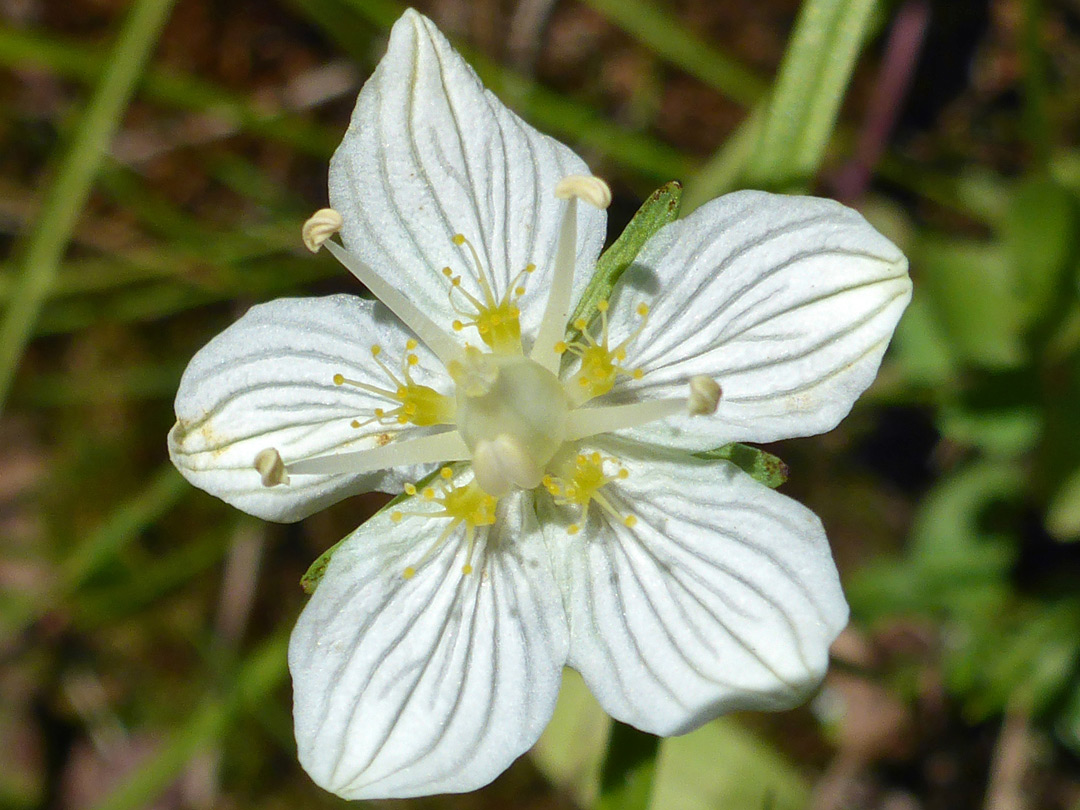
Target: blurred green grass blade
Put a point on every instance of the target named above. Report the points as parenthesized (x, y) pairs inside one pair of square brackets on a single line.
[(626, 779), (123, 525), (70, 188), (20, 49), (547, 109), (656, 28), (722, 172), (261, 673), (806, 98)]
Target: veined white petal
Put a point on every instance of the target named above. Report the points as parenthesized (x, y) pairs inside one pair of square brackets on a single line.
[(435, 683), (268, 382), (430, 154), (721, 596), (787, 302)]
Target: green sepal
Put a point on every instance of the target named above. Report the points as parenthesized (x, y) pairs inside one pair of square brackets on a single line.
[(660, 209), (765, 468), (313, 576)]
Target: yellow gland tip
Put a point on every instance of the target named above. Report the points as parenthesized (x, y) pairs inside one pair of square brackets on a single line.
[(339, 379), (573, 528), (355, 423), (411, 344), (410, 489), (376, 350), (409, 572), (466, 569), (561, 347), (602, 306), (630, 521), (396, 516), (458, 239), (446, 473), (643, 310)]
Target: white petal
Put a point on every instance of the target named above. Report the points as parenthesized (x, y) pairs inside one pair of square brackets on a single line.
[(722, 596), (429, 154), (787, 302), (434, 684), (268, 381)]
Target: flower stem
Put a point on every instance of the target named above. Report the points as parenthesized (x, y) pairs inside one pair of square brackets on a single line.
[(626, 779)]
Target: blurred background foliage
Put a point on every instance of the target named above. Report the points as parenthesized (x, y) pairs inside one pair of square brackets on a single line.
[(157, 158)]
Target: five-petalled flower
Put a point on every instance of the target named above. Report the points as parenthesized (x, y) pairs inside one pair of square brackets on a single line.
[(564, 519)]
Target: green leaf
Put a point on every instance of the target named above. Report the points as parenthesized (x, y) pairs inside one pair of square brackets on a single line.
[(1039, 237), (721, 765), (969, 286), (806, 98), (626, 779), (1063, 514), (661, 208), (765, 468)]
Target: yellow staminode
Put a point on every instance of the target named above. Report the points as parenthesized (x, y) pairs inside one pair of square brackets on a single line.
[(495, 319), (466, 504), (418, 404), (581, 485), (600, 363)]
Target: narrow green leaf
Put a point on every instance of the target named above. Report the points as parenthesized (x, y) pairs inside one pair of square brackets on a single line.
[(806, 98), (626, 779), (765, 468), (661, 208), (66, 195)]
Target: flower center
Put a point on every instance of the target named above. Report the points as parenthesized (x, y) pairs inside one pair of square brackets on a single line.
[(512, 414)]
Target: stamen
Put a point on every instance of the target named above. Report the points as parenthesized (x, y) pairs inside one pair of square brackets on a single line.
[(419, 404), (702, 400), (496, 320), (320, 226), (600, 365), (582, 484), (704, 395), (467, 504), (269, 465), (442, 344), (595, 192), (448, 446)]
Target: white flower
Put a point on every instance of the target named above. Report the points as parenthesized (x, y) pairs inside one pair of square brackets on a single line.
[(571, 526)]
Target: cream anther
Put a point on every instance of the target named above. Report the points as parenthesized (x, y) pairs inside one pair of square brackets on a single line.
[(323, 224), (704, 396), (269, 465), (592, 190)]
